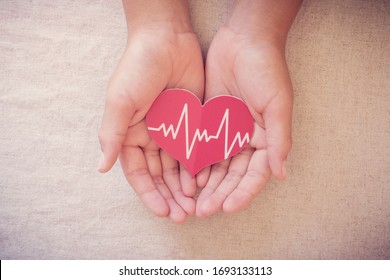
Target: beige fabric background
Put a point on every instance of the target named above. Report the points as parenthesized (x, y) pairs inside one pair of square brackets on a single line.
[(55, 60)]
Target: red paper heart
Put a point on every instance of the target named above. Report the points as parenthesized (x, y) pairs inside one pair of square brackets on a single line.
[(196, 135)]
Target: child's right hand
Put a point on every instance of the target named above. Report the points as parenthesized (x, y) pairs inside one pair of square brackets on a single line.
[(157, 57)]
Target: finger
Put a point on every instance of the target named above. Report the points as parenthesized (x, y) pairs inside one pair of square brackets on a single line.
[(278, 118), (176, 214), (137, 174), (154, 163), (118, 112), (237, 168), (188, 183), (217, 173), (152, 156), (154, 167), (252, 183), (202, 177), (171, 177)]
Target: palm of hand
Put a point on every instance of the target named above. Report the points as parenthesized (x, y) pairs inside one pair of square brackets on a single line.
[(151, 63), (256, 72), (253, 71)]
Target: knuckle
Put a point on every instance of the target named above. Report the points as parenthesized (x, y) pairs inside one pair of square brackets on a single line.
[(220, 167), (115, 100), (148, 152), (139, 172), (233, 176), (158, 180), (118, 98), (249, 193), (173, 171), (256, 175), (107, 137)]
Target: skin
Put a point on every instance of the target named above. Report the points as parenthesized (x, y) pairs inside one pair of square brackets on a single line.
[(252, 67), (163, 52)]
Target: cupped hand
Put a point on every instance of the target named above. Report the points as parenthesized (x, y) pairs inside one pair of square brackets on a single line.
[(254, 69), (155, 59)]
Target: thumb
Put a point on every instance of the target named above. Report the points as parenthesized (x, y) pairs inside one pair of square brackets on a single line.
[(136, 82), (277, 119), (118, 112)]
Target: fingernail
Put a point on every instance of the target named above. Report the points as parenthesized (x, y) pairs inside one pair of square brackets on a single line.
[(101, 162), (284, 170)]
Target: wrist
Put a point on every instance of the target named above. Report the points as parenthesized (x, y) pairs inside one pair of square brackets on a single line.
[(159, 26), (172, 15), (265, 20), (249, 36)]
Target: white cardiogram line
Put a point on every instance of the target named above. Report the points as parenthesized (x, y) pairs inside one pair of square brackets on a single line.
[(204, 135)]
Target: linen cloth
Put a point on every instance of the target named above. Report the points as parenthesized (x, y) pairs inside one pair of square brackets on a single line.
[(55, 60)]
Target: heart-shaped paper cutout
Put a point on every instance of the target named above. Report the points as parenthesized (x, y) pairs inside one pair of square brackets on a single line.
[(199, 135)]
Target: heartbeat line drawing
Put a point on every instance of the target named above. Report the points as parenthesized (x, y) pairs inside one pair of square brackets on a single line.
[(173, 131)]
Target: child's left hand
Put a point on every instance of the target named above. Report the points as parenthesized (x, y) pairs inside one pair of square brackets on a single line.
[(255, 70)]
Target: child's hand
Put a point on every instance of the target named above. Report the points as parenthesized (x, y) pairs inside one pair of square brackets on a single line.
[(161, 54), (249, 63)]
